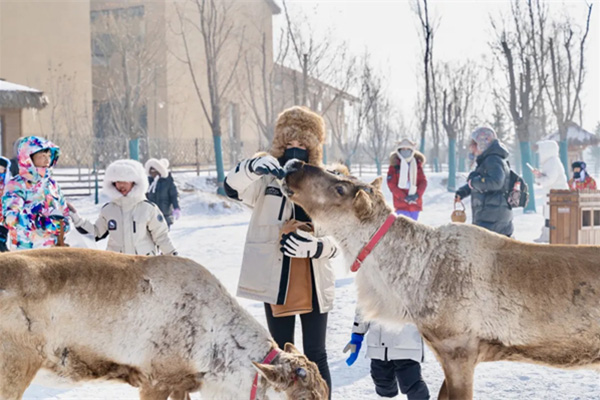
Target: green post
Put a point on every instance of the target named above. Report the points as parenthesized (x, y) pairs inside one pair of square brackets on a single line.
[(134, 149), (324, 154), (452, 165), (527, 175), (564, 155), (96, 199), (219, 165)]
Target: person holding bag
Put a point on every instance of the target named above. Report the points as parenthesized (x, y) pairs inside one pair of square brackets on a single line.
[(286, 262)]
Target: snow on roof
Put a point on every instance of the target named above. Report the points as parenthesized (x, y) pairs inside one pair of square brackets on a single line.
[(13, 95), (576, 136)]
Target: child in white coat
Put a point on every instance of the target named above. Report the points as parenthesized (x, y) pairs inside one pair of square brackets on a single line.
[(395, 358), (133, 224)]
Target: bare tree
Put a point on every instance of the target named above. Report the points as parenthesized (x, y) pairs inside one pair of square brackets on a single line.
[(126, 65), (526, 81), (427, 31), (347, 126), (568, 74), (458, 86), (219, 36)]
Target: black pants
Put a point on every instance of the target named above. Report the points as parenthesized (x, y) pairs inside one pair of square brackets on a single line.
[(314, 329), (388, 375)]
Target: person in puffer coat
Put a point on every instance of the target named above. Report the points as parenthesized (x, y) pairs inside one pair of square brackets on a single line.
[(267, 261), (551, 175), (33, 205), (488, 183), (133, 224), (162, 190), (581, 180), (395, 358), (406, 179)]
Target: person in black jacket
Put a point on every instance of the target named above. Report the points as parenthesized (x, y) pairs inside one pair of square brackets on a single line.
[(488, 183), (162, 190)]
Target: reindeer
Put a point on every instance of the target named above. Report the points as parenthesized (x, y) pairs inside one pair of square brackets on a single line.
[(474, 295), (163, 324)]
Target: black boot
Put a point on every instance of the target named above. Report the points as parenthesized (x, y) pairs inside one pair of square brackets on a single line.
[(3, 239)]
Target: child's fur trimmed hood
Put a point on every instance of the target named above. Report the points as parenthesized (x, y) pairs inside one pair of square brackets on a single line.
[(126, 171), (302, 124)]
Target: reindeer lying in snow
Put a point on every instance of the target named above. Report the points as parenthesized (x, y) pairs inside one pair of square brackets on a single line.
[(474, 295), (163, 324)]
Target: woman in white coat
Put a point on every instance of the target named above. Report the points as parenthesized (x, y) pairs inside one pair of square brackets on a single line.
[(274, 253), (133, 224), (551, 175)]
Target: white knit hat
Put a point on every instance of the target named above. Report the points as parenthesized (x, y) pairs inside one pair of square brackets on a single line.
[(161, 166)]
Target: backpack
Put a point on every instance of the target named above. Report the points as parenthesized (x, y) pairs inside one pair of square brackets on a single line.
[(517, 193)]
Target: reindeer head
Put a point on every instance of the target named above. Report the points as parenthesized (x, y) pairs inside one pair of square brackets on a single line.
[(325, 194), (296, 376)]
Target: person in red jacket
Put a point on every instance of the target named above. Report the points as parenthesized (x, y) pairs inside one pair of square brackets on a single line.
[(581, 180), (406, 179)]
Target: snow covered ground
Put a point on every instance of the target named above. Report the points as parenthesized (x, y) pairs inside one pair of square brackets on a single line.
[(212, 232)]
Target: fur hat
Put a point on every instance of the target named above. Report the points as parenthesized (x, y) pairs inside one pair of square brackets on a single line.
[(579, 164), (161, 166), (406, 144), (483, 136), (300, 123), (126, 171)]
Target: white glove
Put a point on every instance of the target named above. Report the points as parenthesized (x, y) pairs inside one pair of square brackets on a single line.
[(300, 244), (267, 165), (77, 220)]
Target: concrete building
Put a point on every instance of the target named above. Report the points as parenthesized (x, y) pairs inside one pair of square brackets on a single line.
[(121, 68)]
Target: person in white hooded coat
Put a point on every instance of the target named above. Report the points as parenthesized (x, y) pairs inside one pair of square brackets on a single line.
[(133, 224), (551, 175)]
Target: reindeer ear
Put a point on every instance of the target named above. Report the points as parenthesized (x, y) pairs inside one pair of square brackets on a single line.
[(273, 374), (377, 183), (362, 204), (290, 348)]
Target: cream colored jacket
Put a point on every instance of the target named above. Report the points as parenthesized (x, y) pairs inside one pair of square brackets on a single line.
[(263, 276)]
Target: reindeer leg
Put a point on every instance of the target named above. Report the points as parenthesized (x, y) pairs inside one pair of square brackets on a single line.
[(149, 393), (18, 368), (459, 368), (180, 395), (443, 395)]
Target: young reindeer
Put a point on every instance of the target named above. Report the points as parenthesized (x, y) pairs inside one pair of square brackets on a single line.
[(163, 324), (474, 295)]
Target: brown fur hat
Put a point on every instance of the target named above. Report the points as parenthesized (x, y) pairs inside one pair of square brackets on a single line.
[(300, 123)]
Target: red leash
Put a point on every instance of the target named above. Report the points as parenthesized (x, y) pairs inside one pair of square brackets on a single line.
[(373, 242), (268, 360)]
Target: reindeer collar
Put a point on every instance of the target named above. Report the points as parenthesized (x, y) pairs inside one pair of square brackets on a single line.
[(373, 242), (268, 360)]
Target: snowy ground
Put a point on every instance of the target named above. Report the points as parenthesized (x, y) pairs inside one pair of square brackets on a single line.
[(212, 232)]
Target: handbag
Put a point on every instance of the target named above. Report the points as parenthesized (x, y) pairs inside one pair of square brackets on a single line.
[(299, 294), (458, 215)]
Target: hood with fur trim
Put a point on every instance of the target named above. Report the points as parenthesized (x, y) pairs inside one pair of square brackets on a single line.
[(161, 166), (126, 171), (394, 159), (547, 149), (302, 124)]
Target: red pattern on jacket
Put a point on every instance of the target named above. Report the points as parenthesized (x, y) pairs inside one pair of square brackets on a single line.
[(400, 194), (588, 183)]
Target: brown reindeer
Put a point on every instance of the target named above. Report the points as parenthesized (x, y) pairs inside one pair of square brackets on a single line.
[(474, 295), (163, 324)]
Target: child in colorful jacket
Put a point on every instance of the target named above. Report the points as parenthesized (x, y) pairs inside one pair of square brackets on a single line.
[(33, 206), (581, 180), (4, 178)]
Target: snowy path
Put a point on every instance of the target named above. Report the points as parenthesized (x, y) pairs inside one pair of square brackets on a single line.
[(214, 236)]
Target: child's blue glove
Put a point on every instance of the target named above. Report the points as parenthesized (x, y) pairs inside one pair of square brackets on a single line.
[(354, 347)]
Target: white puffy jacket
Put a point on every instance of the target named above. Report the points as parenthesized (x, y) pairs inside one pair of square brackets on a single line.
[(133, 224), (262, 276), (551, 167), (385, 344)]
